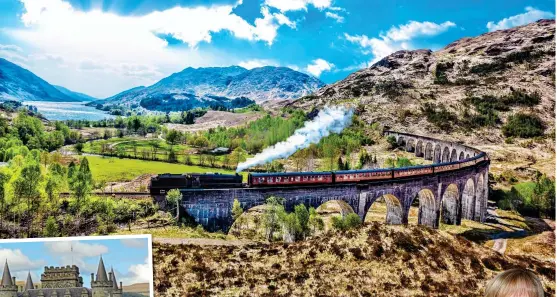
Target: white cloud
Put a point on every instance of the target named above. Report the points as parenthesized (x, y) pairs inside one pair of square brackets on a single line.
[(334, 16), (531, 15), (140, 273), (18, 261), (319, 66), (255, 63), (288, 5), (10, 47), (397, 38), (75, 248), (127, 51), (135, 243)]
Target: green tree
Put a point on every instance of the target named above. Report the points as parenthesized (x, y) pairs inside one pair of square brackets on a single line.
[(51, 227), (302, 216), (237, 156), (237, 212), (274, 211), (315, 221), (543, 198), (82, 184), (4, 179), (172, 136), (26, 186), (173, 197)]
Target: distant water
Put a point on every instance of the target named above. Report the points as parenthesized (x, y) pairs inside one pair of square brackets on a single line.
[(61, 111)]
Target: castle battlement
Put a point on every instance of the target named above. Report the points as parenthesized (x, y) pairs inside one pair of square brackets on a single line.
[(63, 281)]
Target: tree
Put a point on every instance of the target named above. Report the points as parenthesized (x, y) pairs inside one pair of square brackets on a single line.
[(54, 183), (350, 221), (173, 197), (274, 210), (212, 160), (79, 147), (237, 156), (172, 136), (315, 222), (543, 198), (51, 228), (302, 216), (83, 182), (237, 212), (26, 186), (4, 178)]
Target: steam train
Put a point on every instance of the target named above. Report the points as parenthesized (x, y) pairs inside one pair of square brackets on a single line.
[(162, 183)]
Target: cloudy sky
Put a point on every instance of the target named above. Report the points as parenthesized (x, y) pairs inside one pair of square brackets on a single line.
[(102, 47), (128, 257)]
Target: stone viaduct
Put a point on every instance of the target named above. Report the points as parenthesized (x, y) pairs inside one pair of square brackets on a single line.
[(448, 196)]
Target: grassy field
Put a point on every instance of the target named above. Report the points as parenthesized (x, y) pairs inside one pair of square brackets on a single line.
[(111, 169), (173, 232)]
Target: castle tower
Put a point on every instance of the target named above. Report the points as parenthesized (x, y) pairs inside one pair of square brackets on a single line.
[(101, 285), (8, 287), (116, 292), (29, 283)]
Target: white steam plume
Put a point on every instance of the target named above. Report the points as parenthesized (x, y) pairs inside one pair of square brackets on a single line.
[(329, 120)]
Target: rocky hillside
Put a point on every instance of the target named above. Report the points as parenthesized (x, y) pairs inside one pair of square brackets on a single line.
[(375, 260), (20, 84), (466, 91), (200, 87)]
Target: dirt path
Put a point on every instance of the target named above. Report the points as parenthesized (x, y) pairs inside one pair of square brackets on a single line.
[(500, 245), (500, 239), (203, 241)]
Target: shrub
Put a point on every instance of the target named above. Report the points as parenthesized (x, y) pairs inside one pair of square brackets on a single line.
[(392, 142), (438, 115), (523, 125), (350, 221)]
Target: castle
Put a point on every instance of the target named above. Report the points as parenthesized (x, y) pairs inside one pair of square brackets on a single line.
[(62, 282)]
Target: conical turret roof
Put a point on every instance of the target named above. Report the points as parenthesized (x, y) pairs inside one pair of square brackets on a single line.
[(29, 283), (7, 276), (114, 283), (101, 272)]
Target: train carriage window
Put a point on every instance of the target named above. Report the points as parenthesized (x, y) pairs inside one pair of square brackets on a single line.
[(320, 177), (297, 178)]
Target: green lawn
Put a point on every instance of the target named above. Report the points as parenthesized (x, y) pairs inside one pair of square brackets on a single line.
[(526, 190), (114, 169)]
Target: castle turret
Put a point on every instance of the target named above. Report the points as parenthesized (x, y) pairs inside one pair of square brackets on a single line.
[(8, 287), (101, 285), (101, 272), (116, 292), (29, 283)]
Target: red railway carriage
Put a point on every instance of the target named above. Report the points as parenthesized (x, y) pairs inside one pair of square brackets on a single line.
[(350, 176), (412, 171), (289, 179), (446, 167)]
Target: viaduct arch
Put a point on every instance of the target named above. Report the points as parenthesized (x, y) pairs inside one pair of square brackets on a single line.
[(457, 189)]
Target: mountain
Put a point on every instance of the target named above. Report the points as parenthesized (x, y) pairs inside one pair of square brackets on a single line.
[(76, 95), (471, 90), (229, 86), (17, 83)]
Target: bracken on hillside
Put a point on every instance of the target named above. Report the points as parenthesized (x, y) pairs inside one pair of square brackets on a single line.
[(375, 260)]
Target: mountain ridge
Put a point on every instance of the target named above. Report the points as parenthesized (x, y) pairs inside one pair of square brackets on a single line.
[(20, 84), (205, 86)]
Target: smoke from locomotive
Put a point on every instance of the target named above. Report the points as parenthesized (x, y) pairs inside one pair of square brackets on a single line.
[(329, 120)]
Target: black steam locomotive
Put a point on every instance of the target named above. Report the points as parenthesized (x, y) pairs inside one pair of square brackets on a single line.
[(162, 183)]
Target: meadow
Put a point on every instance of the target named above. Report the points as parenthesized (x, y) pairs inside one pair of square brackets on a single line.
[(111, 169)]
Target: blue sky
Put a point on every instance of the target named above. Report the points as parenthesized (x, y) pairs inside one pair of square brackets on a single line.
[(102, 47), (128, 257)]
